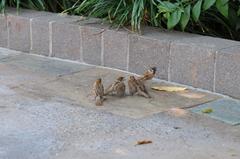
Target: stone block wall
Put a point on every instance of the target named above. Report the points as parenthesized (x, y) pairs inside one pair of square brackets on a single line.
[(199, 61)]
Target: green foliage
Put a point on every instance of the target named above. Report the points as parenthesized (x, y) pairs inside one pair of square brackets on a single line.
[(207, 4), (209, 17), (222, 6), (185, 17), (49, 5), (2, 6), (196, 11), (238, 12), (174, 18)]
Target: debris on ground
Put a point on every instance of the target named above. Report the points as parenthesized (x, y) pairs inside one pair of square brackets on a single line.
[(169, 88), (143, 142), (177, 127), (207, 110)]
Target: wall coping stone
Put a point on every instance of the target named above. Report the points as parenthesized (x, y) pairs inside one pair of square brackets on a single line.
[(209, 42)]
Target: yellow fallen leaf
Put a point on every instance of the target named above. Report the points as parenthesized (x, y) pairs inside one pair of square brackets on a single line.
[(207, 110), (169, 88)]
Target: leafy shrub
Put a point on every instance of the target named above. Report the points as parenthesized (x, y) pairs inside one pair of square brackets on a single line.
[(214, 17), (209, 17), (48, 5)]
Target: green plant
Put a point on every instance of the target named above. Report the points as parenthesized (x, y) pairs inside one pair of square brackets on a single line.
[(209, 17), (182, 11), (115, 11), (2, 6), (120, 12), (48, 5)]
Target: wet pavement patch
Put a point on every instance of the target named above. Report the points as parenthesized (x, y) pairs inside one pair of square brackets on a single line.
[(77, 88), (4, 53), (45, 78), (43, 65), (225, 110)]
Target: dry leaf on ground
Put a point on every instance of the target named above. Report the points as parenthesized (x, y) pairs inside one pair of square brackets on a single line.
[(144, 142), (177, 127), (207, 110), (169, 88)]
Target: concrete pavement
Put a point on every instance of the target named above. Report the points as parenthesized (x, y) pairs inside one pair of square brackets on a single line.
[(46, 112)]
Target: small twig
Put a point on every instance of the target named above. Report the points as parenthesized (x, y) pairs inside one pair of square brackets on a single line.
[(143, 142), (100, 32)]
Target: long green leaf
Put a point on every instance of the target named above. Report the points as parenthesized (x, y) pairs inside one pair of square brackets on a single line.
[(208, 3), (185, 17), (174, 19), (222, 6), (196, 11), (166, 6), (238, 12), (2, 6)]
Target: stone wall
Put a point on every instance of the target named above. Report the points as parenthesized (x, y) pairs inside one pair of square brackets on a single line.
[(199, 61)]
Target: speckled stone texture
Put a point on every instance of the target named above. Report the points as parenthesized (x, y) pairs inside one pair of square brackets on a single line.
[(43, 26), (192, 60), (115, 49), (145, 52), (228, 71), (92, 44), (66, 41), (226, 110), (192, 65), (3, 31), (19, 29)]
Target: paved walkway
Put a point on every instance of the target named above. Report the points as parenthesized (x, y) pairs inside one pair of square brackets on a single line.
[(46, 112)]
